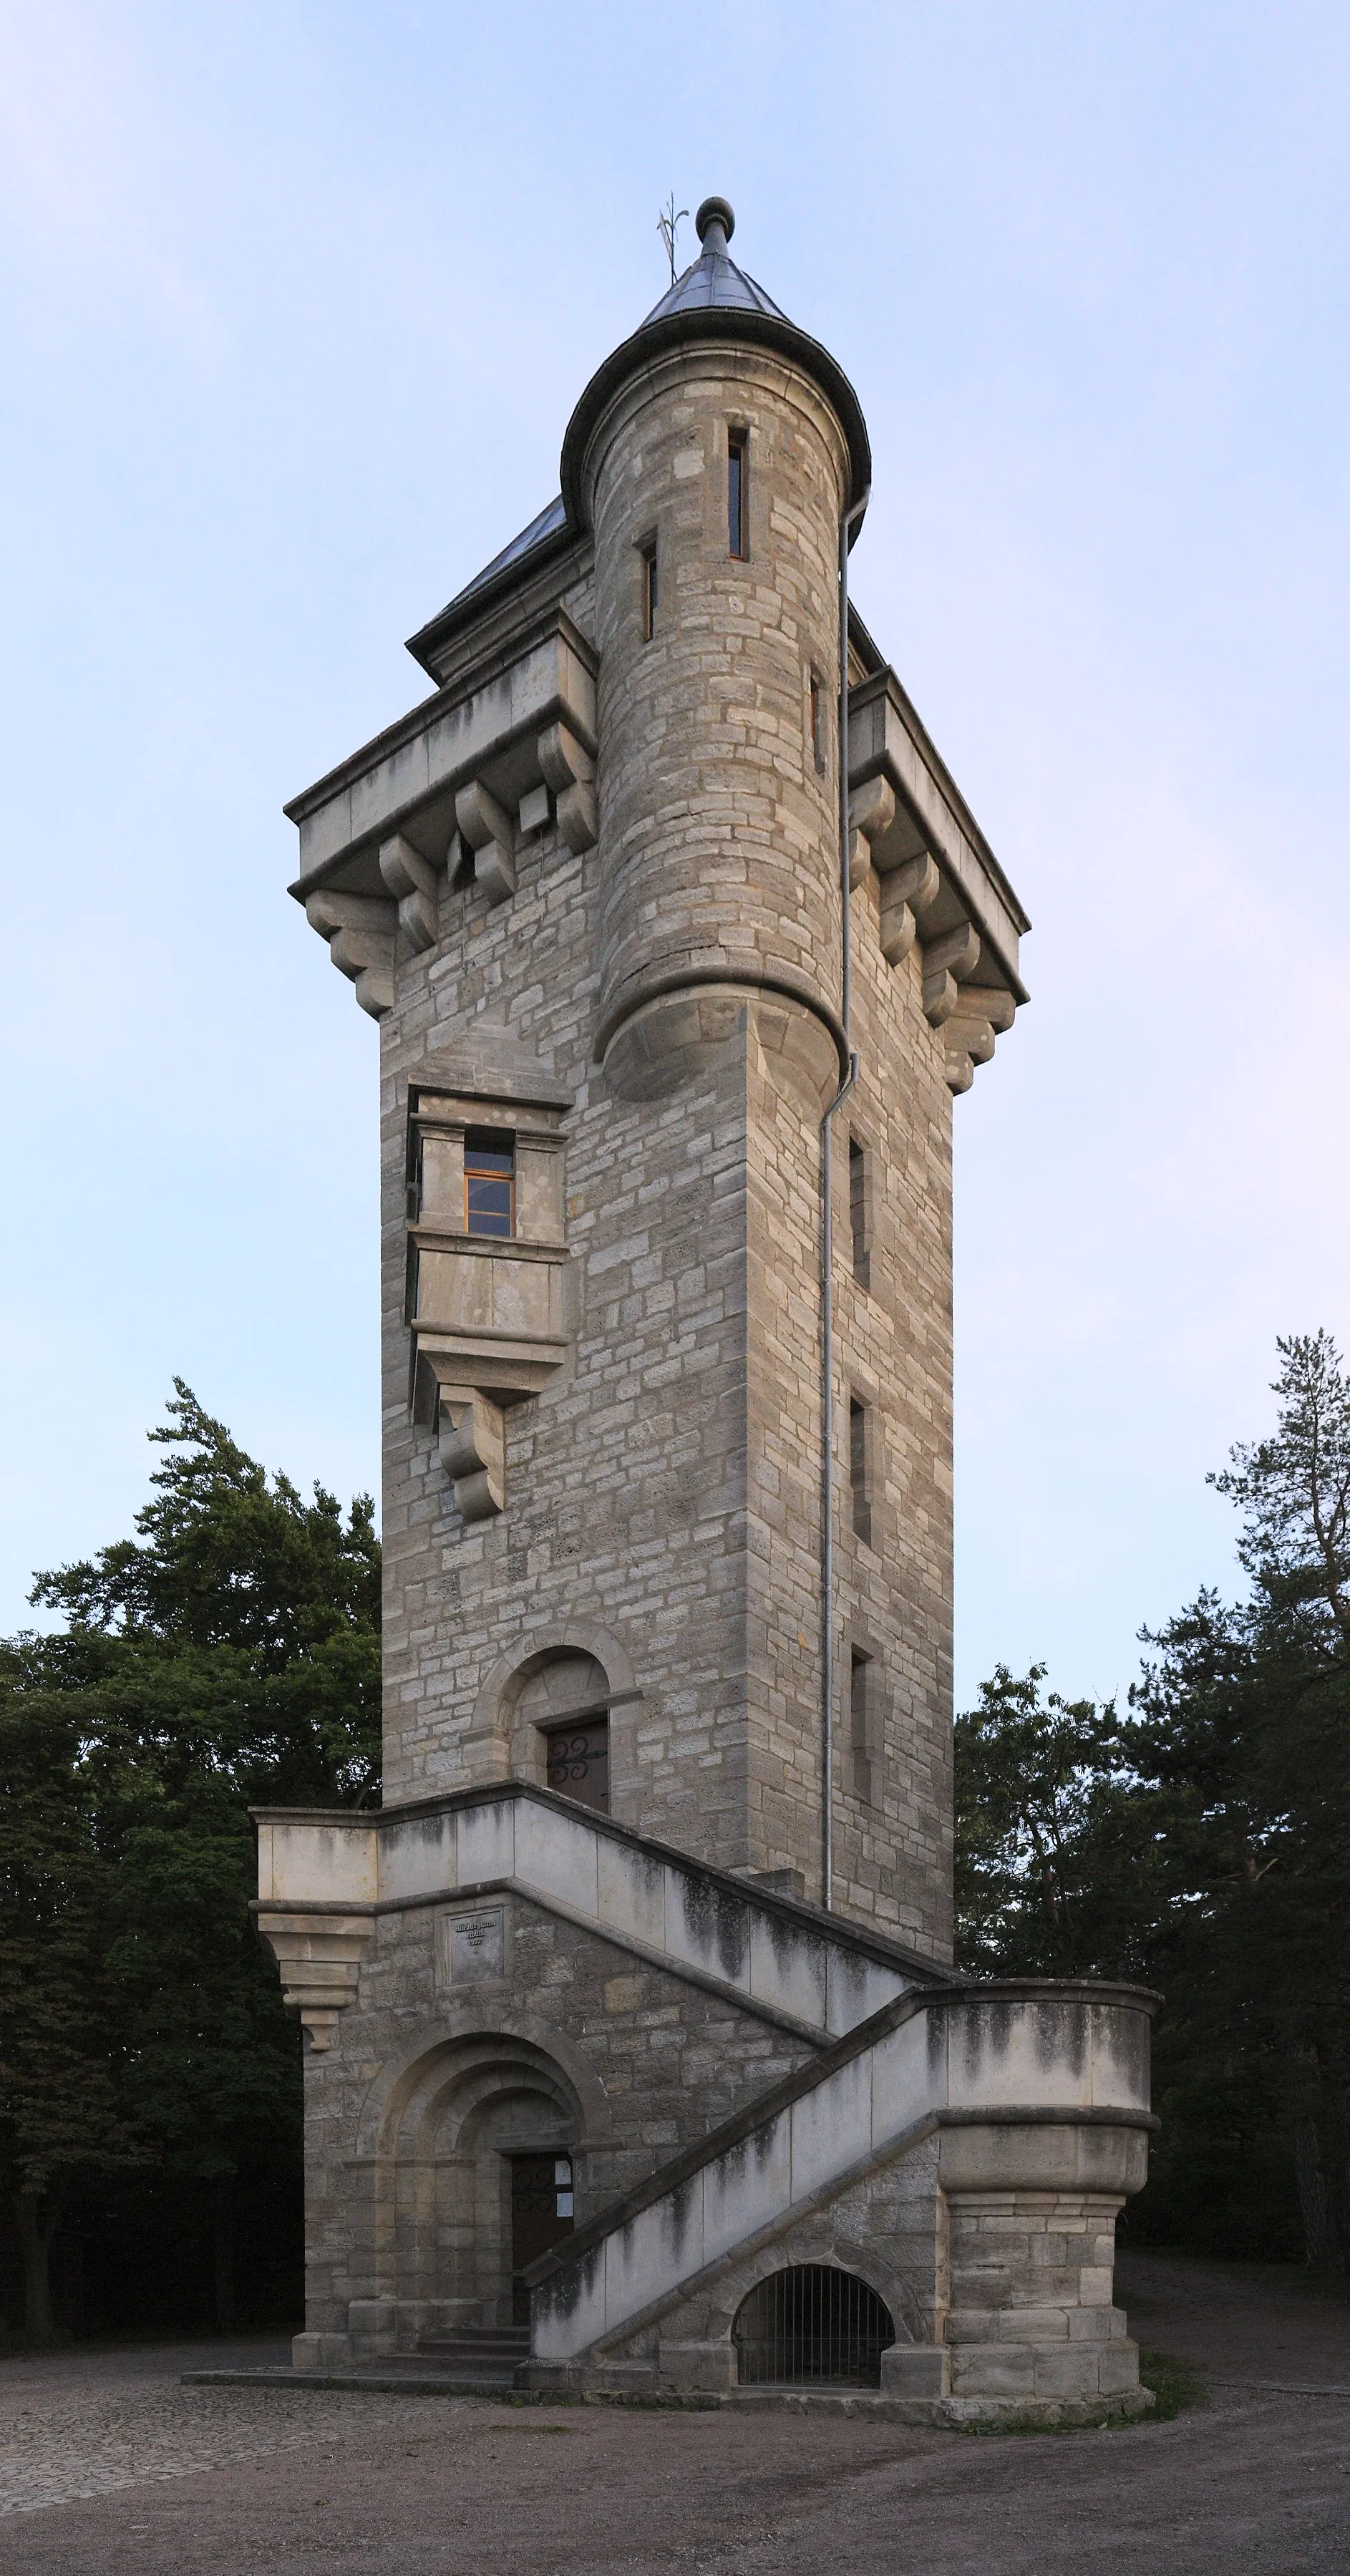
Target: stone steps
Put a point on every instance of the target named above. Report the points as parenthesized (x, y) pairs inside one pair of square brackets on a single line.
[(478, 2353)]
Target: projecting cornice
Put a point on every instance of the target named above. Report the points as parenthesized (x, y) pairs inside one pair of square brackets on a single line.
[(459, 785), (942, 890)]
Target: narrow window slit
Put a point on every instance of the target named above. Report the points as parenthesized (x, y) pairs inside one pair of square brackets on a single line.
[(859, 1443), (860, 1721), (736, 532), (858, 1211)]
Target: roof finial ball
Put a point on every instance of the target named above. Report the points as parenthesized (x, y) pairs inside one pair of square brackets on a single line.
[(714, 223)]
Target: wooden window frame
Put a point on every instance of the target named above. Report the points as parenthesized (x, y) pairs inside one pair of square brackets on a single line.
[(475, 1141)]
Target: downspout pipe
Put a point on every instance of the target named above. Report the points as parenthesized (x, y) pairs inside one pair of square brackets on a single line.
[(827, 1574)]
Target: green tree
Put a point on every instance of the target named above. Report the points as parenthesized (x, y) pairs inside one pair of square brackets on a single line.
[(61, 2113), (1203, 1844), (226, 1656), (1056, 1856)]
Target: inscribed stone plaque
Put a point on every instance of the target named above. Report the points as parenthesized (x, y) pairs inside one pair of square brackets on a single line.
[(477, 1946)]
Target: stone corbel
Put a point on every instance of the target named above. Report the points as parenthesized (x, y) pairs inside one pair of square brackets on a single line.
[(491, 835), (871, 812), (320, 1957), (983, 1012), (473, 1451), (945, 960), (908, 894), (570, 772), (359, 929), (411, 880)]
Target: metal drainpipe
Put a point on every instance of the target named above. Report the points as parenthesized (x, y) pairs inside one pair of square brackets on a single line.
[(827, 1257)]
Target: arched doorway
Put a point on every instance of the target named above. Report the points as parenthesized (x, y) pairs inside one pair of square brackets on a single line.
[(472, 2132), (811, 2325)]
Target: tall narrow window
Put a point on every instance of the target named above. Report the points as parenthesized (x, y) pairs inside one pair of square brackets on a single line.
[(859, 1442), (858, 1210), (416, 1175), (649, 589), (736, 531), (817, 721), (860, 1720), (489, 1181)]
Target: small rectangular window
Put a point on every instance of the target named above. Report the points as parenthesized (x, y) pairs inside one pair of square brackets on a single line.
[(858, 1210), (736, 447), (859, 1443), (489, 1181), (650, 589), (817, 721), (416, 1175)]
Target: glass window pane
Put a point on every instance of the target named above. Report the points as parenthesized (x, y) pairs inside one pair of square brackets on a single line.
[(489, 1184)]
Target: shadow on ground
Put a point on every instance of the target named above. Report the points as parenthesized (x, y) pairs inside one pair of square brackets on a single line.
[(110, 2467)]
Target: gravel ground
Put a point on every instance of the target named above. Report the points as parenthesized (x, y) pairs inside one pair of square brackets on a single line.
[(108, 2464)]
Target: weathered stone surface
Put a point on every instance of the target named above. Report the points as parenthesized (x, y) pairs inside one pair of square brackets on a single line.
[(592, 891)]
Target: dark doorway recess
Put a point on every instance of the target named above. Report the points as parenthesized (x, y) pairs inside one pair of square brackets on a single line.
[(811, 2326), (541, 2216), (578, 1761)]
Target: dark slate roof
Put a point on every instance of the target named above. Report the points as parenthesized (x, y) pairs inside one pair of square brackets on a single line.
[(546, 525)]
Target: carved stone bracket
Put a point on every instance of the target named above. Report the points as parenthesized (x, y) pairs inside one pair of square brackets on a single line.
[(359, 930), (871, 812), (472, 1443), (914, 901), (320, 1957), (570, 772), (982, 1013), (413, 881), (491, 835), (945, 961), (908, 895)]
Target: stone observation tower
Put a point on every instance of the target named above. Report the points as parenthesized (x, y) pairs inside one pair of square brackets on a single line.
[(636, 2060)]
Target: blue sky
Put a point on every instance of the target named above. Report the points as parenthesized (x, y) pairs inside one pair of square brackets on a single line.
[(295, 303)]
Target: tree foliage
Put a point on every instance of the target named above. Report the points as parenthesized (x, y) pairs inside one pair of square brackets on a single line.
[(1202, 1844), (226, 1656)]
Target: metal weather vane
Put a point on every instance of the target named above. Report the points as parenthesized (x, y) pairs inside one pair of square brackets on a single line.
[(667, 224)]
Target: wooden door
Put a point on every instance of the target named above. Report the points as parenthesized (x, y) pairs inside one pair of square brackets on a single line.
[(541, 2216)]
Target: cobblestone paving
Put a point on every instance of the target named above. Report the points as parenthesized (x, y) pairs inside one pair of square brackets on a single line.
[(58, 2448)]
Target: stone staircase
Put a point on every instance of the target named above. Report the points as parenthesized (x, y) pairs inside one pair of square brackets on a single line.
[(478, 2355), (974, 2144)]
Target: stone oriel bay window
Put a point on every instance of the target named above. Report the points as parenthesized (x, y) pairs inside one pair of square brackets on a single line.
[(488, 1309)]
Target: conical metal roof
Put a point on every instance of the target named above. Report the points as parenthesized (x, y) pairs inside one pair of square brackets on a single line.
[(713, 281), (713, 299)]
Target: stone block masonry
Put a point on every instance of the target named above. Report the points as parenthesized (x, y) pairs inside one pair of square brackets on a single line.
[(575, 1980)]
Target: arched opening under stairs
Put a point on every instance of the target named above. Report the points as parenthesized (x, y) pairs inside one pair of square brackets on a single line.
[(811, 2326)]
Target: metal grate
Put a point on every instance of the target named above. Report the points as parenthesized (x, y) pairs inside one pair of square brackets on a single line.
[(578, 1761), (811, 2325)]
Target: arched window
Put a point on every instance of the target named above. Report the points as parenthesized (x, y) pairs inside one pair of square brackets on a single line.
[(811, 2326)]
